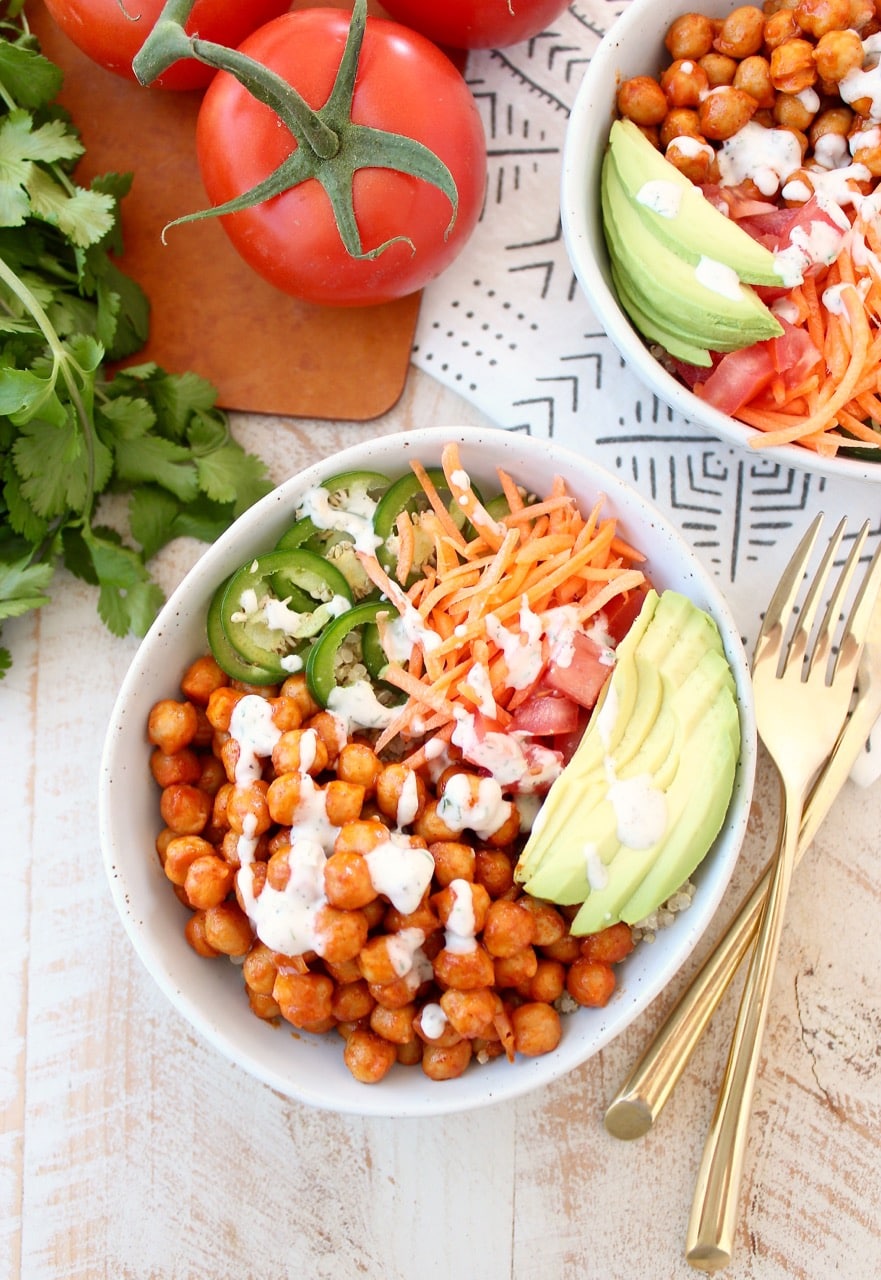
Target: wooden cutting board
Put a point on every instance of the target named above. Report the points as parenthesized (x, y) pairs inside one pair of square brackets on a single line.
[(264, 351)]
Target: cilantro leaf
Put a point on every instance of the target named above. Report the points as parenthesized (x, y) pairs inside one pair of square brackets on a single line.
[(68, 430)]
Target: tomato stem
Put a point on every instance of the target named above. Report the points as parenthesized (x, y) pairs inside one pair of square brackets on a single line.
[(330, 146)]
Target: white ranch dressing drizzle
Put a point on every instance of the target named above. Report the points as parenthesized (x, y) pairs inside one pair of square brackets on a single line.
[(356, 518), (663, 198), (433, 1021), (460, 933), (408, 801), (718, 278), (357, 704), (400, 871), (595, 868)]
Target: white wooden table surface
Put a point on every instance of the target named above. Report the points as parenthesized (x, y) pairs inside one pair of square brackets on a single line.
[(131, 1149)]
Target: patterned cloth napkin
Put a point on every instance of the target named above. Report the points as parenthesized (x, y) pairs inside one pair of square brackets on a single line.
[(508, 328)]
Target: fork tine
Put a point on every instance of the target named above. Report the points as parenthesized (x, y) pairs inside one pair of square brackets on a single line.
[(798, 643), (823, 644), (781, 603), (859, 620)]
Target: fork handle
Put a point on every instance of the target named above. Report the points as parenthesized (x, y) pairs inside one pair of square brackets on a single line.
[(639, 1101), (710, 1237)]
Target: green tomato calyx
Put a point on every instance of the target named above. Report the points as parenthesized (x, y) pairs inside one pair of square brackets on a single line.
[(331, 147)]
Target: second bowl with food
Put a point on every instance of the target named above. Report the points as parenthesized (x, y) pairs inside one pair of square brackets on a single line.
[(720, 210), (431, 773)]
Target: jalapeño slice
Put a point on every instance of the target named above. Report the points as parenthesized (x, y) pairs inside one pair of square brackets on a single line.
[(348, 492), (225, 655), (407, 494), (277, 603), (321, 665)]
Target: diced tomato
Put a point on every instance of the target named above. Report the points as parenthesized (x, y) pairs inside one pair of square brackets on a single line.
[(567, 743), (737, 202), (622, 612), (740, 376), (775, 228), (582, 679), (546, 714)]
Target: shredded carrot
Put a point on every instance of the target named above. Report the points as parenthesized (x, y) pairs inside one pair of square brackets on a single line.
[(406, 547), (474, 614)]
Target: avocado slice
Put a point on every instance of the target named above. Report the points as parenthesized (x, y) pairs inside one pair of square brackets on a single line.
[(653, 328), (666, 736), (666, 287), (697, 229)]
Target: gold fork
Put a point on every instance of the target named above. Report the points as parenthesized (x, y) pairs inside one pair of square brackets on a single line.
[(800, 709), (641, 1098)]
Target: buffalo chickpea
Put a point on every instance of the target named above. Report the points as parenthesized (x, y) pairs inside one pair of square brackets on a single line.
[(212, 775), (185, 808), (780, 27), (395, 994), (295, 687), (548, 982), (684, 83), (171, 725), (464, 970), (791, 111), (347, 880), (339, 935), (866, 151), (741, 32), (410, 1054), (719, 68), (590, 982), (470, 1013), (398, 785), (359, 763), (376, 961), (262, 1006), (343, 801), (516, 969), (642, 100), (453, 860), (247, 809), (680, 122), (228, 929), (817, 17), (303, 998), (494, 869), (724, 111), (462, 899), (537, 1029), (441, 1062), (690, 36), (432, 1026), (344, 973), (201, 678), (259, 969), (550, 927), (610, 945), (423, 918), (221, 705), (352, 1001), (567, 949), (361, 835), (753, 76), (835, 121), (395, 1025), (286, 714), (330, 730), (694, 161), (508, 928), (209, 880), (431, 826), (176, 766), (837, 53), (792, 66), (284, 798), (194, 932), (299, 751)]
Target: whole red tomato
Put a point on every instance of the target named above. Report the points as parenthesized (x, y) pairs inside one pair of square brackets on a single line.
[(111, 32), (404, 86), (476, 24)]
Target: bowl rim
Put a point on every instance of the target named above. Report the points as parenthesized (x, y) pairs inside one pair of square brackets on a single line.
[(125, 734), (583, 146)]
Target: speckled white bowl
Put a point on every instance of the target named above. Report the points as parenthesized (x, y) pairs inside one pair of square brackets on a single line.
[(635, 46), (209, 994)]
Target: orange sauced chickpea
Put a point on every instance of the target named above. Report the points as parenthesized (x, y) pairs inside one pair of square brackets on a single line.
[(447, 964), (780, 65)]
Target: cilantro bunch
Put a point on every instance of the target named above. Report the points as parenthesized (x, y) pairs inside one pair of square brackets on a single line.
[(68, 432)]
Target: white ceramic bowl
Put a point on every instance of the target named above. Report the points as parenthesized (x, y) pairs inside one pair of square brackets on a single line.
[(209, 994), (635, 46)]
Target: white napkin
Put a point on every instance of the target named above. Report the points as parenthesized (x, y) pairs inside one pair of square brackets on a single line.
[(507, 327)]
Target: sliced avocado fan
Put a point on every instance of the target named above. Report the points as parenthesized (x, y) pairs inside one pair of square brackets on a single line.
[(645, 795), (661, 265)]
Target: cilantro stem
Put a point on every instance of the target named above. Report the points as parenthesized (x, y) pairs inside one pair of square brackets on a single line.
[(63, 362)]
